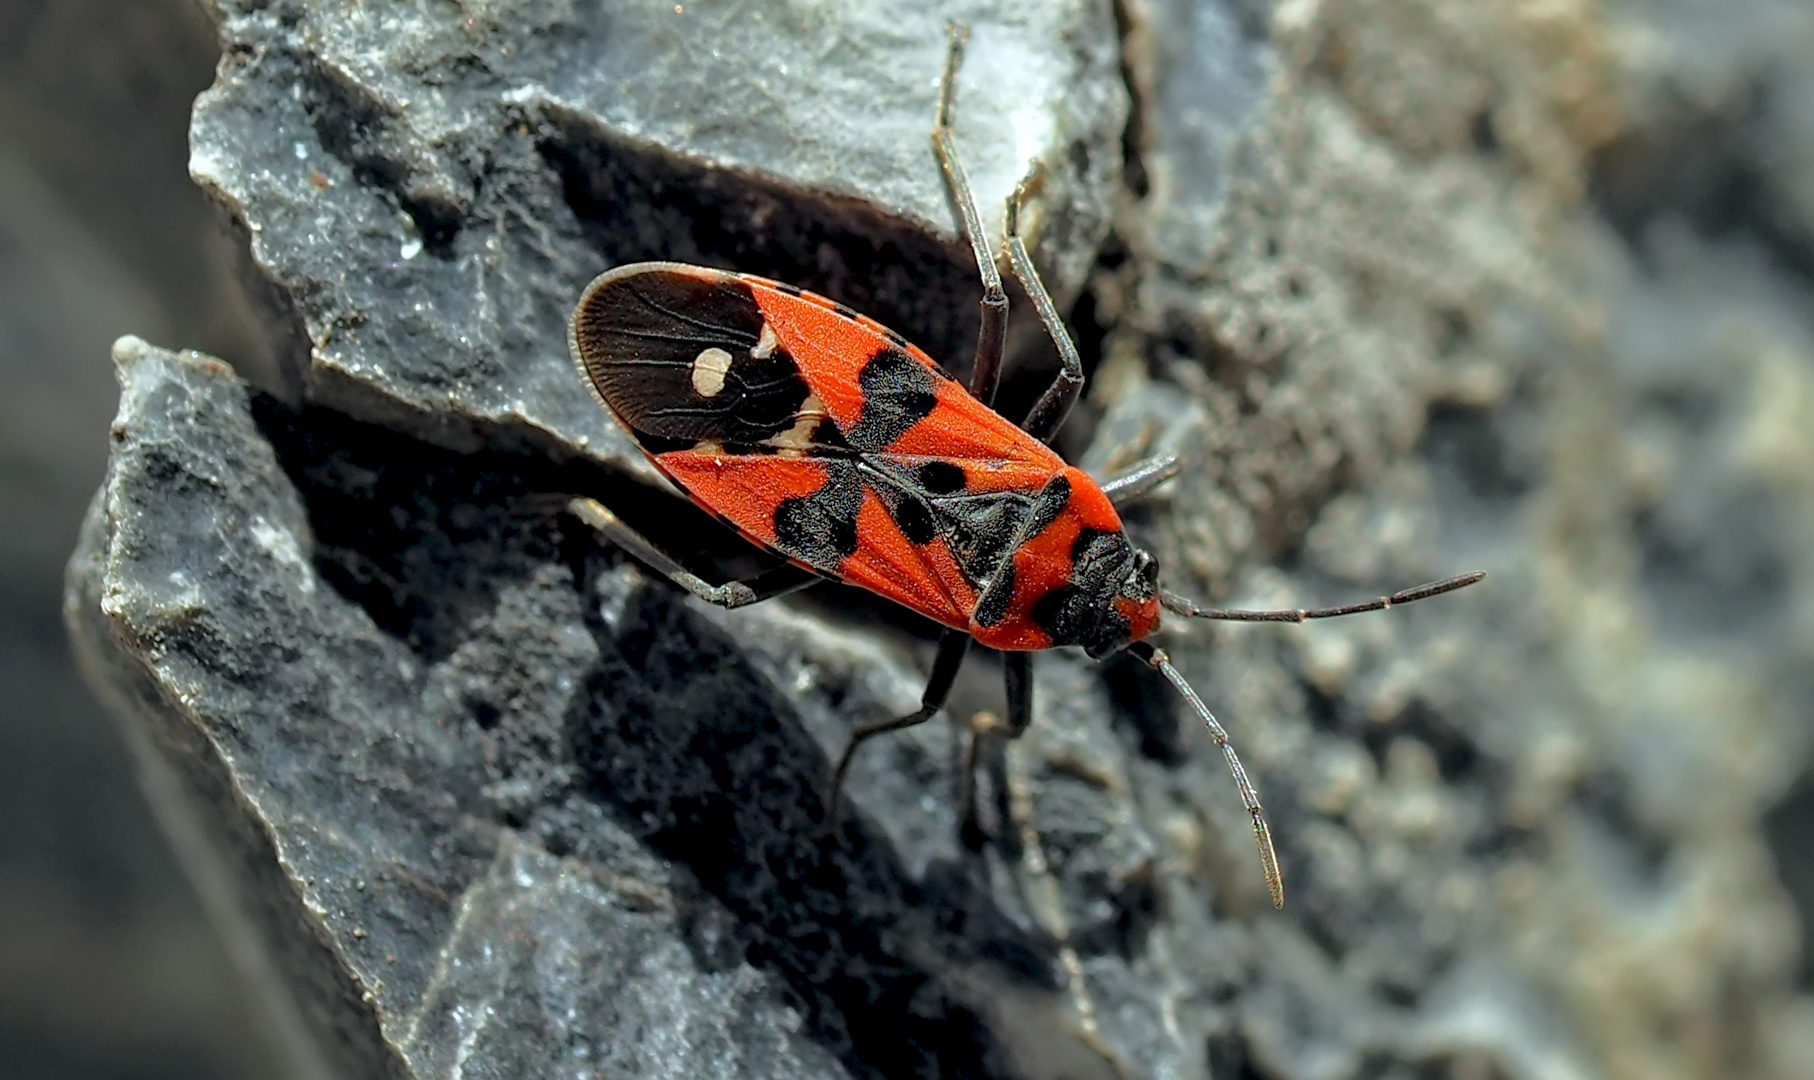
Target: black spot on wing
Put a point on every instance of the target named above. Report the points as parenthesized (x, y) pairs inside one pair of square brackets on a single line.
[(821, 529), (897, 394), (941, 477), (826, 437), (914, 519), (637, 337), (906, 503)]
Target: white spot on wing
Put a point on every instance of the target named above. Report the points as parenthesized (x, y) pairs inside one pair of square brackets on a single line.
[(766, 343), (797, 440), (709, 369)]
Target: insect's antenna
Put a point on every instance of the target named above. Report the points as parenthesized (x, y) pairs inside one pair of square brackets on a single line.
[(1181, 606), (1262, 833)]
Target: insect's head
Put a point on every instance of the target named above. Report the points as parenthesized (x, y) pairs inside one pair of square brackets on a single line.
[(1131, 583)]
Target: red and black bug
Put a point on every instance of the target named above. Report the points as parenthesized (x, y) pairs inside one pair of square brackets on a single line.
[(827, 438)]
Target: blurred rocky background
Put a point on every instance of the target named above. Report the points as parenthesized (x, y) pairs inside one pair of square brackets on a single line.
[(1528, 286), (107, 967)]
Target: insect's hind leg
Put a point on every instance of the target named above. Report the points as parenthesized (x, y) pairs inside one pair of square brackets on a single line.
[(735, 594), (953, 646), (992, 334)]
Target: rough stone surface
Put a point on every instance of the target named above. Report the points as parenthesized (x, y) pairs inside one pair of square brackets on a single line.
[(427, 189), (364, 788), (1401, 282)]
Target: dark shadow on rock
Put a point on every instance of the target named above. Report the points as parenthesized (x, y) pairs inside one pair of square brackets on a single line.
[(636, 204), (704, 760), (676, 735)]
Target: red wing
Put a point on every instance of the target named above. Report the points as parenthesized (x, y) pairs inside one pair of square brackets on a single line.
[(822, 515), (816, 432), (885, 394)]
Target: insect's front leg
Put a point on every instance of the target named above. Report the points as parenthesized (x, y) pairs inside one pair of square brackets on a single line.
[(1126, 487), (735, 594), (1017, 682)]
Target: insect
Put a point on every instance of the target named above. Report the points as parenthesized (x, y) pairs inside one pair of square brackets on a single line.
[(827, 438)]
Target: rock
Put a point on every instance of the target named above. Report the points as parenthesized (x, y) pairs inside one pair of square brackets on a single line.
[(346, 794), (1372, 289), (427, 193)]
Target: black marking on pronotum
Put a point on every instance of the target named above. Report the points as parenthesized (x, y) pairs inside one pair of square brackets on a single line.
[(941, 477), (1047, 507), (1082, 611), (640, 336), (897, 394), (821, 529)]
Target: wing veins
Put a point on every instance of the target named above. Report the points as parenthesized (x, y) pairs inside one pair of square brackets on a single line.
[(655, 335), (700, 324)]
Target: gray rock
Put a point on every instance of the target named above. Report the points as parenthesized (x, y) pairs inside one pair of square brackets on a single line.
[(426, 193), (347, 794), (1360, 293)]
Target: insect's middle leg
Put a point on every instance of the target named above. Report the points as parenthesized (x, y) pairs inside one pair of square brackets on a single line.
[(953, 646), (735, 594), (1054, 406), (1049, 412)]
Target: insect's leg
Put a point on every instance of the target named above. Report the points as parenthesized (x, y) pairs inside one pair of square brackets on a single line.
[(735, 594), (1017, 683), (992, 335), (987, 744), (1124, 488), (952, 647), (1049, 412)]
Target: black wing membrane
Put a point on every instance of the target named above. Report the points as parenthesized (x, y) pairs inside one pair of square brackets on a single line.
[(639, 333)]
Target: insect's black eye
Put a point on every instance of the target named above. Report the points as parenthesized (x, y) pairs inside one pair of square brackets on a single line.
[(1142, 581), (942, 477)]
